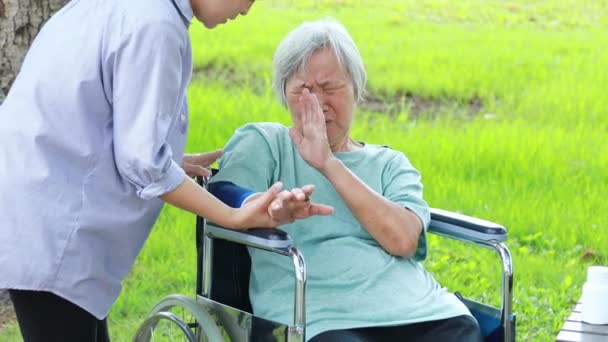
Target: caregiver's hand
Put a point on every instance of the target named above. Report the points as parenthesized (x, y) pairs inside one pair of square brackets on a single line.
[(198, 164), (254, 213)]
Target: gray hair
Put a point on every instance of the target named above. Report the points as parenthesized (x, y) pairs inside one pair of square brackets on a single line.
[(300, 44)]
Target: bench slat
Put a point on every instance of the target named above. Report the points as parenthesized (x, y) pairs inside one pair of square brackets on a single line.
[(585, 328), (576, 331), (572, 336)]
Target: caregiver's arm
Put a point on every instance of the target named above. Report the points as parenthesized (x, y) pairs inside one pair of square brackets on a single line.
[(286, 207), (192, 197)]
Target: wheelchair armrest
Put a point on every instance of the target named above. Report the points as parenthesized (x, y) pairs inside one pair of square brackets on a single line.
[(264, 238), (465, 227), (270, 239)]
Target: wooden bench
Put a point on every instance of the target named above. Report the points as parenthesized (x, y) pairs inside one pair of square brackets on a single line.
[(575, 330)]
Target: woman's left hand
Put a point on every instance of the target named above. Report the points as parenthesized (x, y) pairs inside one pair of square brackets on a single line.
[(293, 205), (198, 164), (290, 205), (309, 133)]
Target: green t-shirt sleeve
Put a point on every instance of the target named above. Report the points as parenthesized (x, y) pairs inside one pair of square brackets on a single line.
[(402, 185), (247, 160)]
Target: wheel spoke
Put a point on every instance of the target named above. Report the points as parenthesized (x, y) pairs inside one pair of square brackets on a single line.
[(183, 319)]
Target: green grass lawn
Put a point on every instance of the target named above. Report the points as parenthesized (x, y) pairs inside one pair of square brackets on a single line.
[(500, 105)]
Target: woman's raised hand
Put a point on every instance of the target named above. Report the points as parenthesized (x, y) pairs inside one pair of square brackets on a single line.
[(309, 133)]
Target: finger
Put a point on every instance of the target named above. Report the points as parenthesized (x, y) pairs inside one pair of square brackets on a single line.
[(304, 108), (269, 195), (278, 203), (285, 196), (295, 136), (308, 189), (301, 214), (315, 104), (280, 212), (211, 157), (308, 114), (277, 211), (196, 170), (316, 119), (297, 114), (320, 209), (275, 206), (312, 210), (204, 172), (208, 158), (188, 169), (317, 116), (298, 194), (275, 189), (298, 206), (311, 105)]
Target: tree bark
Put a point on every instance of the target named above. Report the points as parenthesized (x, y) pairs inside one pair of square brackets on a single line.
[(20, 21)]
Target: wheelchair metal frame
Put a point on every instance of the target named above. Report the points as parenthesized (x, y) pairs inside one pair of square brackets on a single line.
[(448, 224), (295, 332), (445, 223), (239, 324)]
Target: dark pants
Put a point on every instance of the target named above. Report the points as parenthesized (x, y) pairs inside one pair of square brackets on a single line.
[(46, 317), (456, 329)]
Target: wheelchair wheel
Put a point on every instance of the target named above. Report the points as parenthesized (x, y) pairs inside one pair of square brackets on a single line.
[(178, 318)]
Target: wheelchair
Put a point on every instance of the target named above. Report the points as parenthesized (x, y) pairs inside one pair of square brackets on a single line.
[(221, 310)]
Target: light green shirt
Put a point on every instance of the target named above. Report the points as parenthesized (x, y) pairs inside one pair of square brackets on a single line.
[(352, 281)]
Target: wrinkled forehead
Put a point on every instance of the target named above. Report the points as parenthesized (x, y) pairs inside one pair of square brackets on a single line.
[(321, 65)]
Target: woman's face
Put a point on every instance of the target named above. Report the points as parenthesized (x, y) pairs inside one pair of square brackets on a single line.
[(333, 87), (214, 12)]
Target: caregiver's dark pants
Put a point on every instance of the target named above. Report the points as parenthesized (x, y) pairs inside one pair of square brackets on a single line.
[(46, 317)]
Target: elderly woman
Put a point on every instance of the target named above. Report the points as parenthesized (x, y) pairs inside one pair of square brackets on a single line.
[(365, 280)]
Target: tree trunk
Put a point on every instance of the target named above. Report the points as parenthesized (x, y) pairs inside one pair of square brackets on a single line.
[(20, 21)]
